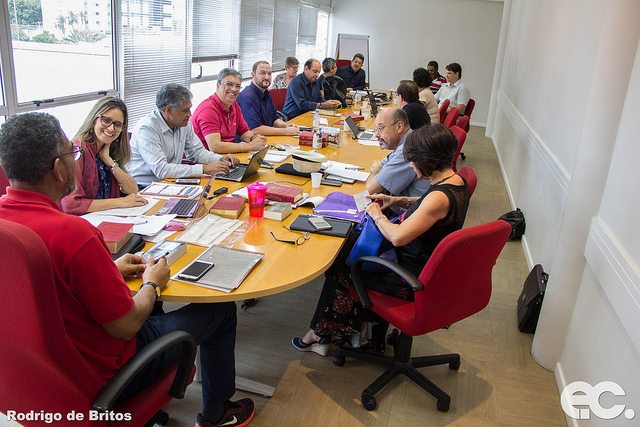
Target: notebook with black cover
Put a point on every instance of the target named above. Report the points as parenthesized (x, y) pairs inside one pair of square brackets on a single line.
[(339, 227)]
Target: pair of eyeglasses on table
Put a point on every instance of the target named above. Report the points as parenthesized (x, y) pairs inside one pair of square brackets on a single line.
[(297, 242)]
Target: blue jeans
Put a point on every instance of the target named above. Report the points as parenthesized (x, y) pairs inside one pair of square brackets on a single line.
[(213, 326)]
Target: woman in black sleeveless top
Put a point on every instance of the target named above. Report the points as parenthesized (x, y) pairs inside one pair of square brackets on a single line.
[(428, 219)]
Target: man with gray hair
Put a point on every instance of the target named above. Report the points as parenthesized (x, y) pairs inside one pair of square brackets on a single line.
[(163, 136), (332, 85), (218, 119)]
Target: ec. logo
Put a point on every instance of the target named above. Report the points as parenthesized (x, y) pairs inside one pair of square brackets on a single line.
[(590, 397)]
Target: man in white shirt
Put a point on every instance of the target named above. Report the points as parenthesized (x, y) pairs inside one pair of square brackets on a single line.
[(454, 90), (163, 136)]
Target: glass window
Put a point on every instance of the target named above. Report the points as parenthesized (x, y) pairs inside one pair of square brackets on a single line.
[(284, 32), (58, 51), (71, 116), (316, 46), (256, 35)]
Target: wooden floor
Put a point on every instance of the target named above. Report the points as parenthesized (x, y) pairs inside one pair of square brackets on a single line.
[(498, 383)]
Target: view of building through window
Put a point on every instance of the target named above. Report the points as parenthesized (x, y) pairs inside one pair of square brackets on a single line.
[(61, 48)]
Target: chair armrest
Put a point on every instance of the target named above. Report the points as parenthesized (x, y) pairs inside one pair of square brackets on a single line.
[(402, 272), (116, 385)]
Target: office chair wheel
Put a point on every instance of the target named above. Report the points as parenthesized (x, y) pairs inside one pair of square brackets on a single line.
[(443, 406), (454, 365), (369, 402), (161, 417), (392, 338)]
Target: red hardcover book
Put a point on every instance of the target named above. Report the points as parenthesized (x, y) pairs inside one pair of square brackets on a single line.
[(228, 207), (306, 138), (115, 234), (283, 193)]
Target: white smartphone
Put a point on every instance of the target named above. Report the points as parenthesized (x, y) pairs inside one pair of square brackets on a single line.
[(320, 223), (196, 270)]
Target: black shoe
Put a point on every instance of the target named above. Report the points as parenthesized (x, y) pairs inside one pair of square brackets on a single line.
[(236, 414)]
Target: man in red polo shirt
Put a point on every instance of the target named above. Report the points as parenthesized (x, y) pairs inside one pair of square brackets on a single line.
[(105, 323), (218, 119)]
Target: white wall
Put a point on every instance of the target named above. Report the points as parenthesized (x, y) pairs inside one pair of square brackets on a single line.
[(566, 108), (406, 34)]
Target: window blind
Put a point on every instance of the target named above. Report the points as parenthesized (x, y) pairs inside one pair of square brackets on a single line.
[(216, 25), (285, 30), (256, 34), (156, 50), (307, 24)]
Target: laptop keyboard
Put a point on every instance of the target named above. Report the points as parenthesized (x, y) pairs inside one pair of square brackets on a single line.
[(183, 206), (365, 135), (235, 174)]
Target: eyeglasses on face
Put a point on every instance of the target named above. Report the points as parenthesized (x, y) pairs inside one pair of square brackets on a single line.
[(231, 85), (297, 242), (106, 121), (380, 128), (77, 152)]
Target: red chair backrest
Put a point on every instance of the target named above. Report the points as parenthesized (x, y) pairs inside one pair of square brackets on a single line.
[(463, 123), (343, 62), (470, 176), (469, 107), (443, 109), (39, 366), (461, 135), (4, 182), (457, 281), (452, 117), (278, 96)]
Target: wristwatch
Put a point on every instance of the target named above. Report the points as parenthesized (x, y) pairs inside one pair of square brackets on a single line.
[(156, 287), (114, 166)]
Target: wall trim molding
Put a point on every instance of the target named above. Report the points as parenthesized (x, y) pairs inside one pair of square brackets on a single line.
[(536, 148), (617, 276)]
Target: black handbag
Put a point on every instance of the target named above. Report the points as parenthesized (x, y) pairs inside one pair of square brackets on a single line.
[(518, 225), (530, 300)]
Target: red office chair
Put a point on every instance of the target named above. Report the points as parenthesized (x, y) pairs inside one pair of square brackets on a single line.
[(463, 123), (443, 110), (41, 369), (469, 107), (278, 96), (454, 284), (4, 182), (342, 62), (469, 175), (451, 117), (461, 136)]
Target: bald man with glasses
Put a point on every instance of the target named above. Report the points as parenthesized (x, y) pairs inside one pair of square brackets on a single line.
[(393, 175)]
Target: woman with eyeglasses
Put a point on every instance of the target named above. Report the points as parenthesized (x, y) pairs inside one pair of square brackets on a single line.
[(427, 220), (100, 174)]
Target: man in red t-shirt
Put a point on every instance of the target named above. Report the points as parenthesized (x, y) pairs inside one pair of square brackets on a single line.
[(218, 119), (106, 324)]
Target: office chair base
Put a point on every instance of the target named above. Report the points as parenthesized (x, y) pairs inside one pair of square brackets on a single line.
[(161, 418), (401, 363)]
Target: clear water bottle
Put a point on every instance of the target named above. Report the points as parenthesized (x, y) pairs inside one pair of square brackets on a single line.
[(317, 141), (316, 119)]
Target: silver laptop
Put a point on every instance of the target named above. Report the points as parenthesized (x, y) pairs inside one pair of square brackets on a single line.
[(365, 135), (186, 208), (245, 170)]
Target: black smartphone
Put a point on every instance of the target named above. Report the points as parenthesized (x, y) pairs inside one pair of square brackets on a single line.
[(218, 192), (196, 270)]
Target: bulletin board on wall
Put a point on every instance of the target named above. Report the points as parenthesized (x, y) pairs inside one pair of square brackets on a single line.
[(350, 44)]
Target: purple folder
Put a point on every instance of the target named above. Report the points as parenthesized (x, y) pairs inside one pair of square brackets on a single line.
[(339, 205)]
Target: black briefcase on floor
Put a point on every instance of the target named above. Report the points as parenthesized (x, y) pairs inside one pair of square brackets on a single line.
[(530, 300)]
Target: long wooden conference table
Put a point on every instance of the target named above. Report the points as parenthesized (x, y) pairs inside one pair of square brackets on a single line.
[(284, 266)]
